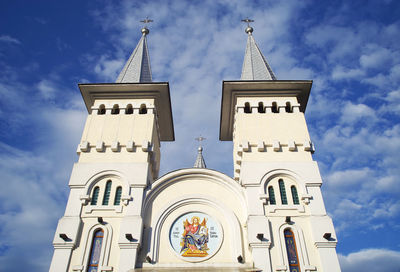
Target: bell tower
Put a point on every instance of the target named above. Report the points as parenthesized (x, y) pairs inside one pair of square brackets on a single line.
[(119, 155), (272, 157)]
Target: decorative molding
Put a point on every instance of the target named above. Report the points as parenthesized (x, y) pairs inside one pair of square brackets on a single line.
[(245, 146), (84, 199), (100, 146), (84, 146), (276, 145), (115, 146), (281, 268), (260, 245), (125, 199), (91, 208), (190, 200), (106, 268), (77, 268), (129, 245), (105, 248), (292, 145), (326, 244), (261, 146), (273, 208), (146, 146), (130, 146), (66, 245), (301, 247), (306, 198)]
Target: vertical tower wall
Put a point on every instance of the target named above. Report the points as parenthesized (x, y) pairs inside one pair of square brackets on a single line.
[(120, 146), (272, 152)]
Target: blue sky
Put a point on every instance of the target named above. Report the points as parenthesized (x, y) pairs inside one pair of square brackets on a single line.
[(350, 49)]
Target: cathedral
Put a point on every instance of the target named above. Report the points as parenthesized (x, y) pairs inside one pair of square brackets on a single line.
[(121, 216)]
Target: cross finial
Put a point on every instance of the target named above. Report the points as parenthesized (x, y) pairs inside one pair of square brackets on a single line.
[(145, 30), (200, 163), (146, 21), (248, 21), (200, 139), (249, 29)]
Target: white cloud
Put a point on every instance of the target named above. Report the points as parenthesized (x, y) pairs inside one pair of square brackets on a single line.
[(9, 39), (47, 89), (376, 57), (339, 180), (371, 260), (340, 72), (355, 112), (108, 68)]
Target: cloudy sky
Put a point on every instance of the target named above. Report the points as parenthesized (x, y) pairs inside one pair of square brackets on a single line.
[(350, 49)]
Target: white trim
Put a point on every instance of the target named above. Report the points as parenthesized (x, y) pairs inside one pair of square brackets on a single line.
[(188, 200), (115, 177), (273, 208), (105, 248), (282, 173), (197, 174), (300, 247), (90, 208), (107, 174)]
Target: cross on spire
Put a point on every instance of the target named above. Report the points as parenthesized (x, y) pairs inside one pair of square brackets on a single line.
[(200, 139), (200, 163), (145, 30), (249, 29), (146, 21), (248, 21)]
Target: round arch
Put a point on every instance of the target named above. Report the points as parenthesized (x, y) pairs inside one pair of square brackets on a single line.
[(104, 175), (282, 173), (157, 221)]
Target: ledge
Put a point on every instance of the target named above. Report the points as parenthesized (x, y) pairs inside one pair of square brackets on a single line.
[(231, 90)]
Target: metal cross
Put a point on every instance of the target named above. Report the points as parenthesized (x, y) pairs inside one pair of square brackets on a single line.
[(200, 139), (248, 21), (146, 21)]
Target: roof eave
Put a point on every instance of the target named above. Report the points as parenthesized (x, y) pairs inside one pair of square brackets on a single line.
[(159, 91), (231, 90)]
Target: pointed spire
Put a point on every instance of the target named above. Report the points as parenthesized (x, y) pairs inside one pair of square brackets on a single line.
[(200, 163), (137, 68), (255, 66)]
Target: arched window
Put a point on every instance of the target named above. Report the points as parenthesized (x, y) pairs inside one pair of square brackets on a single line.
[(291, 249), (143, 109), (95, 251), (107, 191), (288, 107), (95, 195), (129, 109), (295, 196), (271, 195), (101, 110), (274, 107), (261, 108), (118, 192), (282, 190), (115, 109), (247, 108)]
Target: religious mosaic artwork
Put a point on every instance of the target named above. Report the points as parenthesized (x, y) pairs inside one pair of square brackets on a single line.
[(195, 236)]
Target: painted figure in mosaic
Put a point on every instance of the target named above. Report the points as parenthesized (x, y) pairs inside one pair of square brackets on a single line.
[(194, 238)]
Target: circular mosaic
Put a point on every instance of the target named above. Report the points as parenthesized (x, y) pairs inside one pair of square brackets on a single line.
[(195, 236)]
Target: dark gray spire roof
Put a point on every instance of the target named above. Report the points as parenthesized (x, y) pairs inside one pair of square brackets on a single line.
[(137, 68), (255, 66)]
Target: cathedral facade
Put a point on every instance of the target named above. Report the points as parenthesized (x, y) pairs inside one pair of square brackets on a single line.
[(121, 216)]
